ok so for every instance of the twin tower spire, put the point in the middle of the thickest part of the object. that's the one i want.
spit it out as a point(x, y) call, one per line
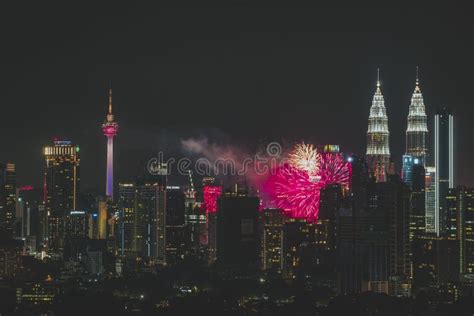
point(378, 147)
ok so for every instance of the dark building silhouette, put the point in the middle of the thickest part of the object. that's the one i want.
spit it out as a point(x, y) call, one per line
point(417, 203)
point(177, 233)
point(373, 243)
point(362, 251)
point(435, 261)
point(237, 234)
point(460, 225)
point(359, 183)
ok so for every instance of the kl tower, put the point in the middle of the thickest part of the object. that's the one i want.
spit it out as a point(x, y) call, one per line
point(110, 129)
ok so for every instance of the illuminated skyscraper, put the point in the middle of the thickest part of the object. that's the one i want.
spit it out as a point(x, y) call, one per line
point(272, 239)
point(444, 162)
point(431, 212)
point(150, 220)
point(7, 197)
point(299, 246)
point(407, 169)
point(126, 194)
point(467, 232)
point(61, 186)
point(110, 129)
point(417, 129)
point(378, 150)
point(142, 225)
point(460, 225)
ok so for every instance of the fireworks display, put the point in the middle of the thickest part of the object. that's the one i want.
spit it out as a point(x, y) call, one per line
point(293, 191)
point(211, 194)
point(305, 157)
point(296, 187)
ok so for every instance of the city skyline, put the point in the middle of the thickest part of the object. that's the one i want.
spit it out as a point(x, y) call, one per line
point(175, 96)
point(257, 158)
point(213, 142)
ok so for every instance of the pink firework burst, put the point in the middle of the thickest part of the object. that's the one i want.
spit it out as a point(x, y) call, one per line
point(334, 169)
point(293, 191)
point(298, 192)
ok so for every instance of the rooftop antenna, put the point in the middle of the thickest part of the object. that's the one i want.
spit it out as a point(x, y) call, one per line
point(378, 77)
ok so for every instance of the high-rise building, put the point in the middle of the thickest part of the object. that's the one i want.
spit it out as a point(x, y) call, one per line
point(61, 187)
point(363, 249)
point(7, 197)
point(176, 229)
point(299, 246)
point(399, 229)
point(417, 201)
point(378, 150)
point(394, 197)
point(444, 163)
point(27, 213)
point(407, 166)
point(409, 163)
point(272, 239)
point(431, 212)
point(149, 221)
point(10, 256)
point(77, 224)
point(142, 224)
point(102, 219)
point(211, 231)
point(359, 182)
point(126, 192)
point(326, 230)
point(417, 129)
point(435, 261)
point(43, 226)
point(211, 193)
point(76, 231)
point(454, 216)
point(110, 129)
point(467, 237)
point(460, 225)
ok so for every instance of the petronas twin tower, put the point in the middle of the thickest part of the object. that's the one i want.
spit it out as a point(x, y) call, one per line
point(378, 148)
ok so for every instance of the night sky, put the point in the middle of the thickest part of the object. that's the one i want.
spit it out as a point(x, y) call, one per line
point(236, 72)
